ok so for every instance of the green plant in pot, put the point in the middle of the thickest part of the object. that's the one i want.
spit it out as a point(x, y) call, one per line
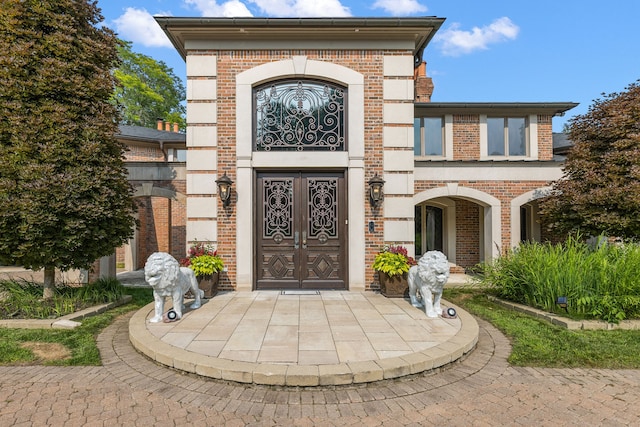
point(203, 259)
point(392, 264)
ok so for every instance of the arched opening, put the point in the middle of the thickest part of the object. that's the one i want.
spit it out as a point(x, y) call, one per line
point(467, 220)
point(525, 219)
point(162, 227)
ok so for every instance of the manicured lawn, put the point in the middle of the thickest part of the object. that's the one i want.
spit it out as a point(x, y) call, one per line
point(80, 342)
point(538, 343)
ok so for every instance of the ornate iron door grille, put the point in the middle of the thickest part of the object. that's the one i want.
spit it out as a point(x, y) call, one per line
point(299, 115)
point(301, 229)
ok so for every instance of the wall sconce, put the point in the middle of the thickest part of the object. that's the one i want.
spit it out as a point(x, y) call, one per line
point(224, 189)
point(375, 190)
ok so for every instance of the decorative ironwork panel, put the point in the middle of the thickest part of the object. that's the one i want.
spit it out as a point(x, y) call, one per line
point(300, 115)
point(277, 202)
point(323, 208)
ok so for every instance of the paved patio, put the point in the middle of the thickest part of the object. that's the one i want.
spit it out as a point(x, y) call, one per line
point(482, 390)
point(304, 338)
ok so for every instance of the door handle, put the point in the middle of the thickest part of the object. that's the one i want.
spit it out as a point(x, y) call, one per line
point(296, 240)
point(304, 240)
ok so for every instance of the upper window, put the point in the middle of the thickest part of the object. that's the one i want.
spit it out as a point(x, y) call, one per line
point(428, 136)
point(507, 136)
point(177, 155)
point(299, 115)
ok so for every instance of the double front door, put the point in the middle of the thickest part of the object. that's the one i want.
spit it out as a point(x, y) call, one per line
point(301, 230)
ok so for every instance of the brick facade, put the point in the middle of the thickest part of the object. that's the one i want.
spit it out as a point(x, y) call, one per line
point(481, 195)
point(545, 138)
point(144, 154)
point(466, 137)
point(229, 64)
point(162, 219)
point(468, 234)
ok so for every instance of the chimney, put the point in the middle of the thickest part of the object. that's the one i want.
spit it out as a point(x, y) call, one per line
point(421, 71)
point(159, 123)
point(176, 128)
point(423, 84)
point(167, 127)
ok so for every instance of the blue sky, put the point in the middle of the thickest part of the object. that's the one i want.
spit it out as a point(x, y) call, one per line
point(486, 51)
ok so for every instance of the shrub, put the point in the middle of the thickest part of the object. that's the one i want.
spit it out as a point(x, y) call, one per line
point(203, 259)
point(599, 282)
point(23, 299)
point(393, 260)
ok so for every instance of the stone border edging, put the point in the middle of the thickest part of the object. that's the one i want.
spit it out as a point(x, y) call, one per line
point(303, 375)
point(565, 322)
point(69, 321)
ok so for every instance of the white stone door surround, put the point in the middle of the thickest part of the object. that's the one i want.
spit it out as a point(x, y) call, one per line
point(352, 160)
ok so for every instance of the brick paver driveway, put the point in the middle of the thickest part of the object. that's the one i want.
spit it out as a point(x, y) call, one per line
point(482, 390)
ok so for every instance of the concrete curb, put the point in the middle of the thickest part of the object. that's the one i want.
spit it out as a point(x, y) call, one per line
point(70, 321)
point(308, 375)
point(566, 322)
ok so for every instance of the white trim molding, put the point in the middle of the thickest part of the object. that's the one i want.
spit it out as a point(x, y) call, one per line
point(492, 231)
point(516, 203)
point(247, 160)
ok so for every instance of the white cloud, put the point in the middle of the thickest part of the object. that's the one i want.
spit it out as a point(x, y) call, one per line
point(455, 42)
point(227, 9)
point(138, 26)
point(400, 7)
point(302, 8)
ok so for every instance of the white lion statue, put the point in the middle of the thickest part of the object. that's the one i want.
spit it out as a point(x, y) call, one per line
point(167, 278)
point(428, 278)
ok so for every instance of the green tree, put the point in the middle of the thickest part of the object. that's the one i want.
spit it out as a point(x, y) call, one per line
point(147, 90)
point(600, 190)
point(64, 196)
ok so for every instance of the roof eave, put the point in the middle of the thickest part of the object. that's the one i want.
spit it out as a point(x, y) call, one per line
point(178, 29)
point(555, 108)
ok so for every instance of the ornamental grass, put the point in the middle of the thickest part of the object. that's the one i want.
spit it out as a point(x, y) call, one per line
point(599, 281)
point(23, 299)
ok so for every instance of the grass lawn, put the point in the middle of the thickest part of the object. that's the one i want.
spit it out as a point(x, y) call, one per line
point(66, 347)
point(535, 343)
point(538, 343)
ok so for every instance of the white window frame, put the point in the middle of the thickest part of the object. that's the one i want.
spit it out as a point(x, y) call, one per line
point(173, 155)
point(447, 138)
point(531, 135)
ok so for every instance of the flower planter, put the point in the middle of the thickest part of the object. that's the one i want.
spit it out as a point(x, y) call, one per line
point(209, 284)
point(394, 286)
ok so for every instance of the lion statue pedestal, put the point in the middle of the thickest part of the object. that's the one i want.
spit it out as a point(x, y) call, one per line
point(164, 274)
point(428, 278)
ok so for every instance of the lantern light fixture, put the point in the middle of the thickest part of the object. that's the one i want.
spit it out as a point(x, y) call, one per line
point(375, 190)
point(224, 189)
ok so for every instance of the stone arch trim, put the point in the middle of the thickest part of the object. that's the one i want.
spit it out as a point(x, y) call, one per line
point(300, 66)
point(352, 160)
point(492, 212)
point(522, 199)
point(450, 233)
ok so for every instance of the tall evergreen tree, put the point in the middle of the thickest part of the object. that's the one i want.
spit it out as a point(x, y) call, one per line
point(64, 196)
point(600, 190)
point(147, 90)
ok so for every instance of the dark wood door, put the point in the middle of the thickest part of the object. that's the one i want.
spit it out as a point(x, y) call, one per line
point(301, 230)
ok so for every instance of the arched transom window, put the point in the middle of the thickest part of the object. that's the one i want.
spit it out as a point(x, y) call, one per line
point(299, 115)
